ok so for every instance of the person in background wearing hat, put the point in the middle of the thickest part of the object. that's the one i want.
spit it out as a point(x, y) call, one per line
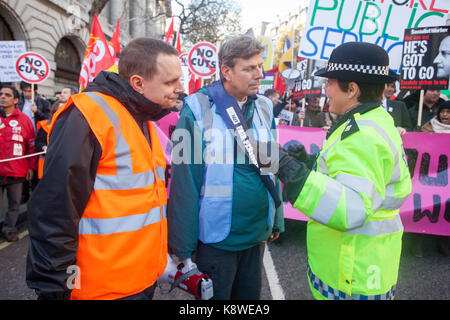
point(431, 102)
point(354, 188)
point(438, 124)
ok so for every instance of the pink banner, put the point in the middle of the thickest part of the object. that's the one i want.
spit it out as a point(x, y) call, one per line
point(427, 209)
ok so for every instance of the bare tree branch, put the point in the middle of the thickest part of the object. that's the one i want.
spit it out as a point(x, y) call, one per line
point(208, 20)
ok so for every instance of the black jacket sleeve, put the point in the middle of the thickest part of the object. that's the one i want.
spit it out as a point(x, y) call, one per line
point(58, 202)
point(41, 140)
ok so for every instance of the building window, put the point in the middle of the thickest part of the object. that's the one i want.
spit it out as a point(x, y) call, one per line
point(5, 31)
point(68, 63)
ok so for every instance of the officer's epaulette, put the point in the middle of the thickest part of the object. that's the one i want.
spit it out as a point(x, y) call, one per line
point(350, 128)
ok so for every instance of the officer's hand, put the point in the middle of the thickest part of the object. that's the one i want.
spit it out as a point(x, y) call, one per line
point(298, 151)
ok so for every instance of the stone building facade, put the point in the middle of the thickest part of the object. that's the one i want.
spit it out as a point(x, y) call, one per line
point(58, 29)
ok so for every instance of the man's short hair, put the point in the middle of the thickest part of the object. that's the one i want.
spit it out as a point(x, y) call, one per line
point(139, 57)
point(14, 90)
point(243, 47)
point(24, 85)
point(270, 92)
point(72, 90)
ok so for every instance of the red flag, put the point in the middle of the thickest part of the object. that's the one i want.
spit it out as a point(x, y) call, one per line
point(169, 34)
point(178, 42)
point(97, 57)
point(195, 83)
point(114, 44)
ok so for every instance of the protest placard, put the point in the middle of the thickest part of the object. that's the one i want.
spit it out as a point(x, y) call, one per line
point(202, 59)
point(32, 67)
point(426, 58)
point(308, 85)
point(9, 52)
point(267, 82)
point(382, 22)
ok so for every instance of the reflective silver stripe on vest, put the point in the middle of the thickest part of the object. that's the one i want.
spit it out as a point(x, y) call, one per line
point(265, 110)
point(125, 179)
point(328, 202)
point(160, 173)
point(122, 224)
point(121, 148)
point(216, 191)
point(378, 227)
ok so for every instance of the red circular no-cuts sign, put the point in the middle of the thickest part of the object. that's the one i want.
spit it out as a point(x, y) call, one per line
point(202, 59)
point(183, 59)
point(32, 67)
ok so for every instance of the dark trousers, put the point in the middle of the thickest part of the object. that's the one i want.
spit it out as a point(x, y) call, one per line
point(236, 275)
point(147, 294)
point(14, 194)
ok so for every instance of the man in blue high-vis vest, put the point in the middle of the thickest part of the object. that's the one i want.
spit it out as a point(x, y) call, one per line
point(220, 206)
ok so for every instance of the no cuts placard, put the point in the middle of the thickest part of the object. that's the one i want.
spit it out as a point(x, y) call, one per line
point(32, 67)
point(202, 59)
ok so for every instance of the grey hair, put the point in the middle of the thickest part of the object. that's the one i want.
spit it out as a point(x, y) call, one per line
point(243, 47)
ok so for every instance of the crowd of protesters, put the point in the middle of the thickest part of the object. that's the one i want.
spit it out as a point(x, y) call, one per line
point(33, 130)
point(25, 118)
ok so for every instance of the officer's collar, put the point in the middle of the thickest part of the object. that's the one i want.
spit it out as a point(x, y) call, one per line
point(361, 108)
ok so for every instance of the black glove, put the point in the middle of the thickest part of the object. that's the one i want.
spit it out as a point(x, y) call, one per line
point(293, 175)
point(298, 151)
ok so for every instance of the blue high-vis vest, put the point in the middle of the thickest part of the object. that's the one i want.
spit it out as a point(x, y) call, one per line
point(216, 195)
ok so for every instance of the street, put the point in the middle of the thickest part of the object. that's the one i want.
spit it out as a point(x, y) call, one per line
point(426, 278)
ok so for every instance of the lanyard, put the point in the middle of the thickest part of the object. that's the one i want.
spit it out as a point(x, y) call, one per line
point(234, 119)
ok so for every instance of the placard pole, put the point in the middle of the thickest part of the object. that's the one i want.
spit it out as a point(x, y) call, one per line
point(419, 116)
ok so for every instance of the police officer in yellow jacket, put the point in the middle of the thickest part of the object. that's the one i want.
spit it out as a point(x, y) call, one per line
point(352, 191)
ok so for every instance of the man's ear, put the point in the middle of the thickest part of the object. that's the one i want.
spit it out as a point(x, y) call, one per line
point(226, 72)
point(137, 83)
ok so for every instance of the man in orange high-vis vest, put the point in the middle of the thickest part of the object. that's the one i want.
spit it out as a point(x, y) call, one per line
point(97, 220)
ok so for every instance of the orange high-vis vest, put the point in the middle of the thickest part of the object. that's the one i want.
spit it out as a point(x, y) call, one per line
point(122, 243)
point(46, 127)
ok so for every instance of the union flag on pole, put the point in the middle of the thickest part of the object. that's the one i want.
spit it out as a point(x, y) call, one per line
point(97, 57)
point(169, 34)
point(114, 44)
